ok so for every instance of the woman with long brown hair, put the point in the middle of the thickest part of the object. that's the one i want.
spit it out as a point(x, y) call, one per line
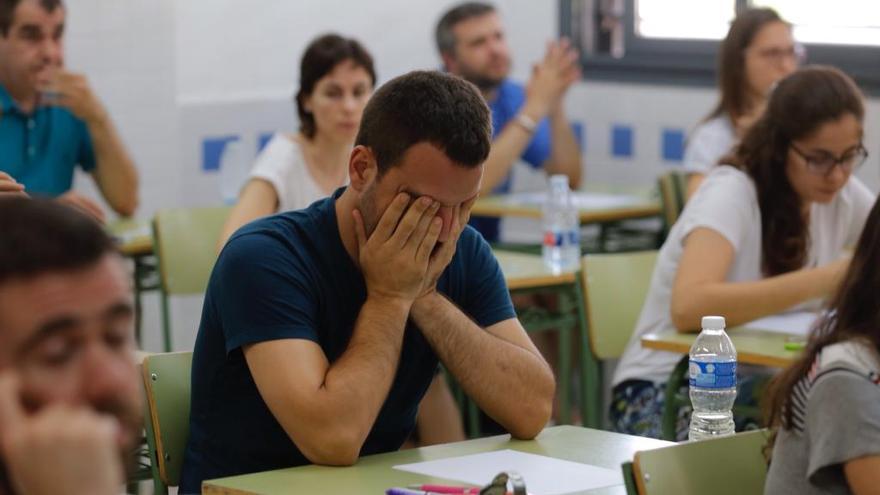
point(757, 52)
point(764, 234)
point(826, 406)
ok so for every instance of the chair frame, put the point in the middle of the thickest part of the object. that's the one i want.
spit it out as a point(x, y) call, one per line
point(160, 456)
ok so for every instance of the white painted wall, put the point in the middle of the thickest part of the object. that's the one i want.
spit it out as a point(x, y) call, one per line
point(172, 72)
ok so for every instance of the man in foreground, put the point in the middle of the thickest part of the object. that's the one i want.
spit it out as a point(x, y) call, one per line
point(322, 328)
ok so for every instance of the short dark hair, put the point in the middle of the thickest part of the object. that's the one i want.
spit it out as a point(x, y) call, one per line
point(427, 106)
point(321, 56)
point(39, 236)
point(7, 11)
point(461, 12)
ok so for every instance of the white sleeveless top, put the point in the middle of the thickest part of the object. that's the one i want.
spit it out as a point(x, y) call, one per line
point(282, 164)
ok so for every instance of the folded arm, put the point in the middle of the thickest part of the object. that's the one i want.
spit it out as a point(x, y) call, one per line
point(329, 409)
point(499, 367)
point(701, 288)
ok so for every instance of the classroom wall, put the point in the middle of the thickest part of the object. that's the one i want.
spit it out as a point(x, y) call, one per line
point(181, 78)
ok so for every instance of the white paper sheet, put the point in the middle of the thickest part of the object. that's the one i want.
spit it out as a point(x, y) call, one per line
point(130, 235)
point(543, 475)
point(796, 323)
point(581, 200)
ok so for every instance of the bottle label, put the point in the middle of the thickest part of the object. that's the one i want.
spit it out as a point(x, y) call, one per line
point(712, 375)
point(561, 238)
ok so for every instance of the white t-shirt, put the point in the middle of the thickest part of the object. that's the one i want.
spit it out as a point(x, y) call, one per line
point(708, 143)
point(282, 164)
point(727, 203)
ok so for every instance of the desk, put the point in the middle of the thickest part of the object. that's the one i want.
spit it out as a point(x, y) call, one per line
point(622, 205)
point(528, 271)
point(527, 274)
point(752, 346)
point(135, 238)
point(374, 474)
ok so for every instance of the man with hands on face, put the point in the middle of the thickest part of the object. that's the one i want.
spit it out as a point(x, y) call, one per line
point(50, 120)
point(529, 123)
point(322, 328)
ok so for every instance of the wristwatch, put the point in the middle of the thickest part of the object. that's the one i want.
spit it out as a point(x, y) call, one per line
point(526, 122)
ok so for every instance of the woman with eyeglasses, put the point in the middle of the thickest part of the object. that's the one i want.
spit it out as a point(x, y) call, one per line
point(758, 51)
point(765, 233)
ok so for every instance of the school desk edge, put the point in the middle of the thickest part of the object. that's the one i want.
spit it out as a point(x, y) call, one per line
point(375, 473)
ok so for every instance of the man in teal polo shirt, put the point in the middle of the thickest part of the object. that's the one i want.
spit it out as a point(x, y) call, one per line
point(50, 121)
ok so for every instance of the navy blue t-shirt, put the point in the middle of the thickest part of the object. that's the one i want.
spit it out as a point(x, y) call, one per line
point(289, 276)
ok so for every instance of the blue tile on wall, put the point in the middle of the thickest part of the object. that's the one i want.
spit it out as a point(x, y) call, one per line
point(673, 145)
point(212, 150)
point(263, 139)
point(580, 135)
point(622, 141)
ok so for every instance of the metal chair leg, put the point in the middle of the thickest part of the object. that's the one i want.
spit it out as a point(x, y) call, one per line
point(672, 402)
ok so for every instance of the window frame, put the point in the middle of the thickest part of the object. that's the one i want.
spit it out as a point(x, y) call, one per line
point(693, 62)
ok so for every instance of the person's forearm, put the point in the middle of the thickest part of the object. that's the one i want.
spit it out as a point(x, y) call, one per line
point(345, 397)
point(506, 150)
point(357, 384)
point(509, 146)
point(513, 385)
point(565, 156)
point(257, 199)
point(115, 171)
point(693, 183)
point(742, 302)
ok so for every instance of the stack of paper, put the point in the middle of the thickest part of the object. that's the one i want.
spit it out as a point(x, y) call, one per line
point(543, 475)
point(580, 200)
point(796, 323)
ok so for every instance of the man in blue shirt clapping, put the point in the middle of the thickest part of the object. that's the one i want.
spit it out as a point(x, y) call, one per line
point(528, 122)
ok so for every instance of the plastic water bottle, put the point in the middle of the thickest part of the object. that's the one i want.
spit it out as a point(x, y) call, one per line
point(233, 171)
point(712, 381)
point(561, 244)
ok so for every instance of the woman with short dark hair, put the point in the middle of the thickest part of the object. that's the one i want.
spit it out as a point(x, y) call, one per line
point(294, 170)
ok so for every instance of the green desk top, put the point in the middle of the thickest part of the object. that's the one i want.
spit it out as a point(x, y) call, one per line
point(134, 236)
point(625, 203)
point(752, 346)
point(527, 271)
point(374, 474)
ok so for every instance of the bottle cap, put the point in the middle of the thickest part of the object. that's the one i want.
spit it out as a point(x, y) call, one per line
point(559, 180)
point(713, 322)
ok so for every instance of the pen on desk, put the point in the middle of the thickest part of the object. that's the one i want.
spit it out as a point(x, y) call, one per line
point(445, 489)
point(406, 491)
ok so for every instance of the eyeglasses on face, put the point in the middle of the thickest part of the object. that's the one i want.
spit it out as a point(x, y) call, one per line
point(824, 163)
point(796, 52)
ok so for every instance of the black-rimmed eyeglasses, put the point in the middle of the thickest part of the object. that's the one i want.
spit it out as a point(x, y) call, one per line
point(824, 163)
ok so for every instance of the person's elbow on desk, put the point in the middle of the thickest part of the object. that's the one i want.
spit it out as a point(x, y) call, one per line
point(332, 447)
